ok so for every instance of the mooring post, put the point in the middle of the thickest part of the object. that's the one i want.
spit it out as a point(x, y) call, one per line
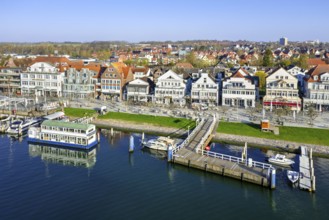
point(313, 183)
point(170, 153)
point(111, 132)
point(143, 136)
point(273, 176)
point(98, 135)
point(131, 144)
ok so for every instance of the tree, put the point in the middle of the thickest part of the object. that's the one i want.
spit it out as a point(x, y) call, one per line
point(268, 58)
point(285, 63)
point(303, 61)
point(279, 112)
point(312, 114)
point(191, 58)
point(262, 79)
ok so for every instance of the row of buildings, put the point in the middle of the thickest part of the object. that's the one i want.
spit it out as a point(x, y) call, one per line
point(61, 77)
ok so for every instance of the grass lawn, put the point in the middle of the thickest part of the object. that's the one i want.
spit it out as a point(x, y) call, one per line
point(78, 112)
point(295, 134)
point(155, 120)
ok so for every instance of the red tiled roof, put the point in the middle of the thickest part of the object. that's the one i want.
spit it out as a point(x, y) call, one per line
point(125, 71)
point(316, 71)
point(315, 61)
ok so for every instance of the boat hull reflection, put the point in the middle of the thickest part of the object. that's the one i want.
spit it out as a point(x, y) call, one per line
point(64, 156)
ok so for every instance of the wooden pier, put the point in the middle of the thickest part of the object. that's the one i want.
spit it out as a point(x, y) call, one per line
point(191, 153)
point(306, 170)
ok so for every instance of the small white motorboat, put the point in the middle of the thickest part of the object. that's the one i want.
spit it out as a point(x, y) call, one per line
point(280, 159)
point(293, 176)
point(160, 143)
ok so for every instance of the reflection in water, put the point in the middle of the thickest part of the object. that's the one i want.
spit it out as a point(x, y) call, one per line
point(159, 154)
point(131, 159)
point(114, 137)
point(71, 157)
point(171, 173)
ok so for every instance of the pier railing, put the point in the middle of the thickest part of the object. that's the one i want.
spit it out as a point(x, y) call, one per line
point(187, 140)
point(234, 159)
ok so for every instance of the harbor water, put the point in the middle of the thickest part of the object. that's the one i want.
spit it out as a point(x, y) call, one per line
point(42, 182)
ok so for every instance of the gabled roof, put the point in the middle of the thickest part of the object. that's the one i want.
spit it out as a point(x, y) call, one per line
point(125, 71)
point(55, 60)
point(169, 74)
point(140, 69)
point(240, 73)
point(205, 75)
point(141, 82)
point(119, 66)
point(317, 71)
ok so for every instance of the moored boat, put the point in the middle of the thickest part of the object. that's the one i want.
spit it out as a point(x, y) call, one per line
point(19, 127)
point(293, 176)
point(63, 133)
point(281, 160)
point(160, 143)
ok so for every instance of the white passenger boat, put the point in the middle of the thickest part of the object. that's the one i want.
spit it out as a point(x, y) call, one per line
point(293, 176)
point(280, 159)
point(160, 143)
point(67, 134)
point(19, 127)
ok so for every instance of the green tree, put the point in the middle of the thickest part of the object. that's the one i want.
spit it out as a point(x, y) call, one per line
point(303, 61)
point(191, 58)
point(285, 63)
point(268, 58)
point(262, 79)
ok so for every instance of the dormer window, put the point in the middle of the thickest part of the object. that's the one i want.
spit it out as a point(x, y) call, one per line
point(315, 77)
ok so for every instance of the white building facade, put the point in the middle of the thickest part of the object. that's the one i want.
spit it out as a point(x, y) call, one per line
point(240, 90)
point(170, 89)
point(138, 90)
point(205, 90)
point(299, 73)
point(79, 84)
point(282, 91)
point(316, 88)
point(42, 79)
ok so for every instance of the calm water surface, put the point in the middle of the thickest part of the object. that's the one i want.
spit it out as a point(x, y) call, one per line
point(115, 185)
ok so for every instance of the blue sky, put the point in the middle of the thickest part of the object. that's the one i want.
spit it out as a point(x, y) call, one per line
point(143, 20)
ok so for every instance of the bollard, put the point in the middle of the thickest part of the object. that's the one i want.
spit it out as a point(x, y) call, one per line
point(249, 162)
point(313, 183)
point(131, 144)
point(99, 135)
point(273, 176)
point(111, 132)
point(143, 136)
point(170, 153)
point(311, 153)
